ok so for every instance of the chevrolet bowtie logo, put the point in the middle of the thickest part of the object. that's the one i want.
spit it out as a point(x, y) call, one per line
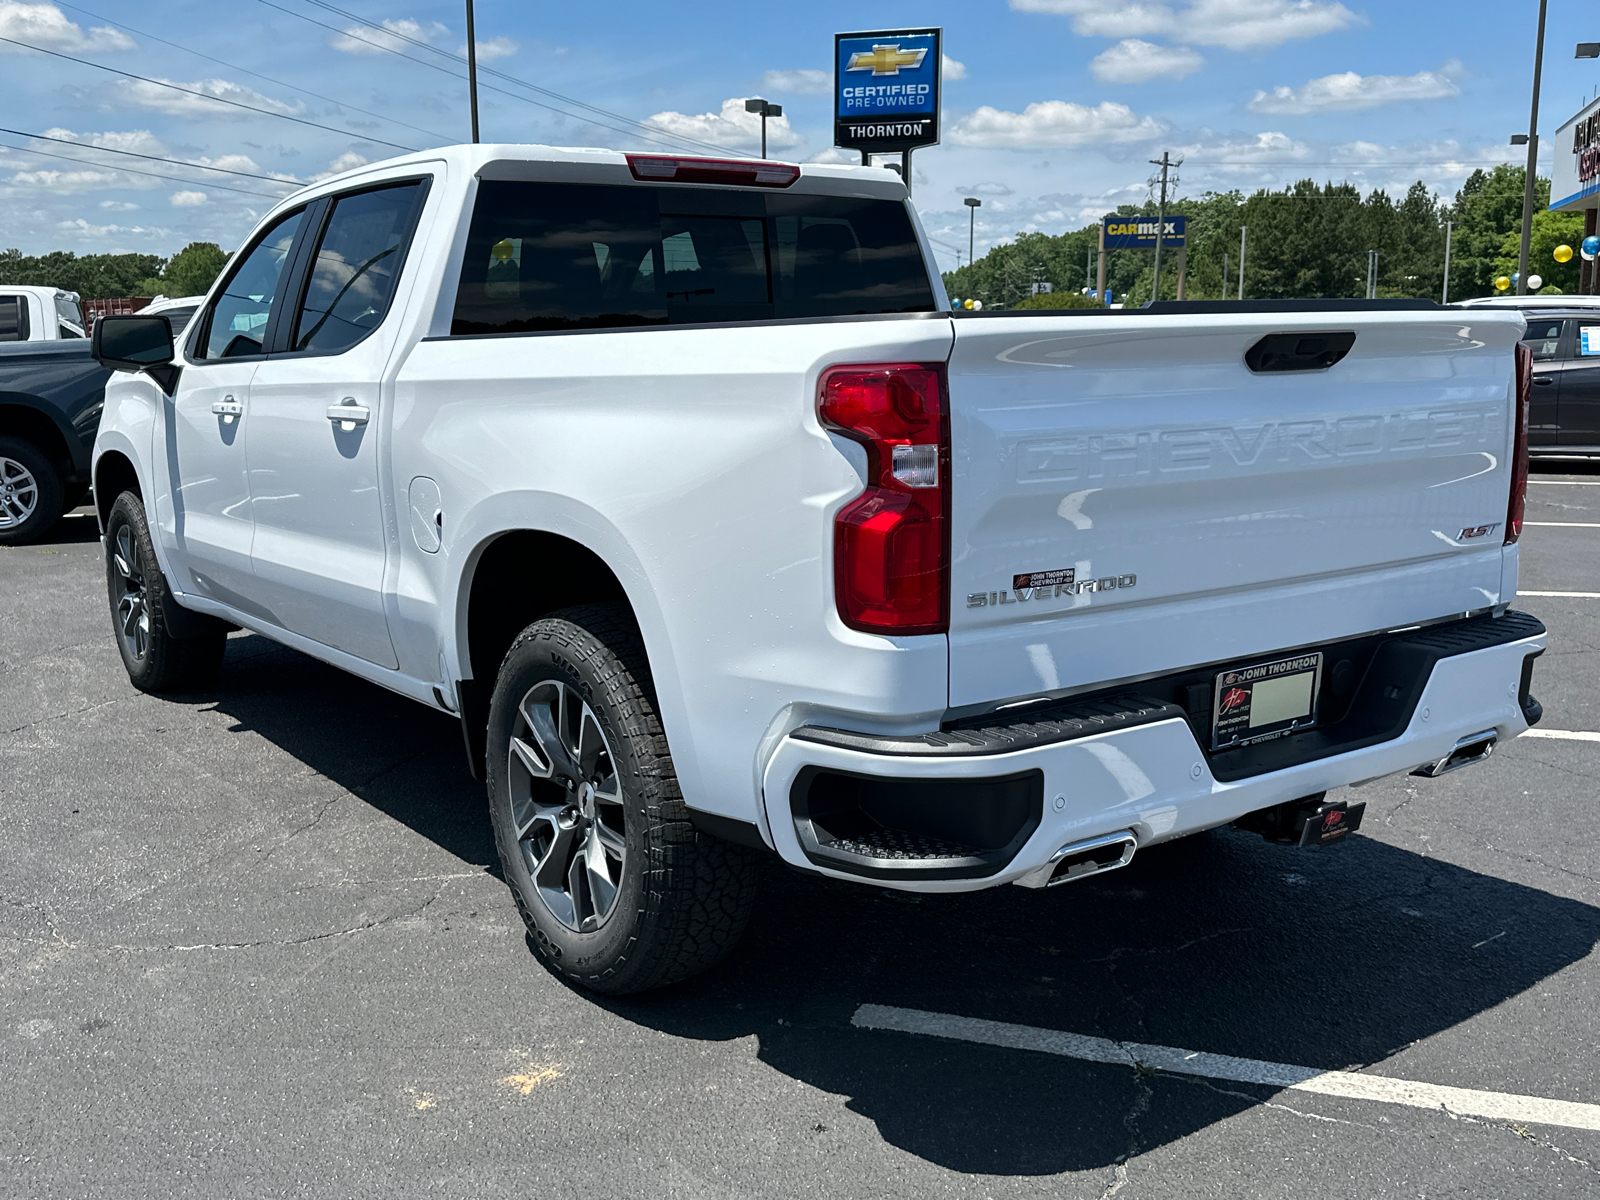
point(886, 60)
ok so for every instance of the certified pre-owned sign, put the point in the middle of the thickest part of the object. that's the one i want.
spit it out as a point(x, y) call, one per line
point(886, 90)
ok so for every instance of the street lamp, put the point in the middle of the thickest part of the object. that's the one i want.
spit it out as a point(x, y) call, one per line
point(766, 110)
point(1533, 155)
point(973, 205)
point(1587, 50)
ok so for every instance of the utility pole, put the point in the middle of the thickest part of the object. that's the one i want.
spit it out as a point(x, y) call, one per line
point(973, 205)
point(1243, 229)
point(1444, 297)
point(1165, 163)
point(472, 71)
point(1533, 157)
point(1224, 274)
point(1372, 274)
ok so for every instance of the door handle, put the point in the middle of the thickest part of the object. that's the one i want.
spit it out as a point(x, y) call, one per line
point(1543, 380)
point(347, 414)
point(228, 409)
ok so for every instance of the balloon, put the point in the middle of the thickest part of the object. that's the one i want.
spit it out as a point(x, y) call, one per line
point(1562, 254)
point(966, 304)
point(1590, 247)
point(1501, 284)
point(1535, 283)
point(975, 305)
point(1515, 275)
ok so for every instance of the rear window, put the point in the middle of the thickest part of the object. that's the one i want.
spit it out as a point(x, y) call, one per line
point(13, 318)
point(554, 256)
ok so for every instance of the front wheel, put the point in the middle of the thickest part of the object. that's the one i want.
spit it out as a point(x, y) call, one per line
point(141, 604)
point(620, 892)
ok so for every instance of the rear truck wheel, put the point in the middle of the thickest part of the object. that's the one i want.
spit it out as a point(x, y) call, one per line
point(620, 892)
point(30, 492)
point(144, 614)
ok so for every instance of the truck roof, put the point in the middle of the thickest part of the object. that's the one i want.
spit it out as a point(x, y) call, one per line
point(477, 159)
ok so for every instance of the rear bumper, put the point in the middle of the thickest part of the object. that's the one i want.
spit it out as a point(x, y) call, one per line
point(1033, 787)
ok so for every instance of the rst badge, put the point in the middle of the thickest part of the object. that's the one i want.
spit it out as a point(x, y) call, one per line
point(1477, 531)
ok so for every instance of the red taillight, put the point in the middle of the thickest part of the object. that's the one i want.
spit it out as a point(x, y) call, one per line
point(744, 172)
point(1519, 447)
point(891, 561)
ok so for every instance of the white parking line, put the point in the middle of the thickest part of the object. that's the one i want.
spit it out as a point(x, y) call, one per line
point(1566, 482)
point(1567, 595)
point(1565, 524)
point(1571, 735)
point(1495, 1106)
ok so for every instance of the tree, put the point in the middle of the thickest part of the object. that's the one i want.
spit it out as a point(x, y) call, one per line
point(193, 269)
point(1550, 229)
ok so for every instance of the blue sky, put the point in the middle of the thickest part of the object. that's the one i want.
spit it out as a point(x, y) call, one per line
point(1052, 107)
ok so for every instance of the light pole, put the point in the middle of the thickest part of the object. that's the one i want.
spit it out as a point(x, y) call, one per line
point(472, 72)
point(766, 110)
point(973, 205)
point(1533, 155)
point(1444, 297)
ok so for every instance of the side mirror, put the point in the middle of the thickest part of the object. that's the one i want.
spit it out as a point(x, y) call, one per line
point(136, 343)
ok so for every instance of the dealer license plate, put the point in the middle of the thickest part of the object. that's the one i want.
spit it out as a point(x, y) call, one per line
point(1266, 700)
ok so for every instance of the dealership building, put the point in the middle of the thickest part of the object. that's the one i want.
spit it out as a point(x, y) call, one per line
point(1575, 179)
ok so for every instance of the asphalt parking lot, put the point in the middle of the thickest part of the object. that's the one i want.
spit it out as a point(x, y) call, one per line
point(252, 943)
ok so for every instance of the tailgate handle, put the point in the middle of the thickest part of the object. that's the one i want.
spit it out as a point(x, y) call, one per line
point(1308, 351)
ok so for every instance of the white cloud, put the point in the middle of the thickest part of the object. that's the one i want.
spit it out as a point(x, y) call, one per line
point(731, 127)
point(803, 82)
point(1348, 91)
point(118, 206)
point(1105, 18)
point(1259, 24)
point(1133, 61)
point(139, 141)
point(347, 161)
point(985, 189)
point(1236, 24)
point(65, 181)
point(1054, 123)
point(488, 51)
point(367, 39)
point(188, 199)
point(954, 69)
point(45, 26)
point(183, 104)
point(84, 229)
point(833, 156)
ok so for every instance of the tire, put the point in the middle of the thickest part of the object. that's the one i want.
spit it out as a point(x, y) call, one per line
point(620, 892)
point(30, 492)
point(142, 609)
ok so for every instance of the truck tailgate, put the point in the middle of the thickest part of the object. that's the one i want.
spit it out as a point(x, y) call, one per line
point(1130, 498)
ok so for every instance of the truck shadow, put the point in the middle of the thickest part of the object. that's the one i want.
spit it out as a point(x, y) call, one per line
point(1219, 943)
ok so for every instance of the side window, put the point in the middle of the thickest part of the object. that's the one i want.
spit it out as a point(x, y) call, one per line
point(1588, 340)
point(13, 318)
point(236, 323)
point(356, 267)
point(70, 315)
point(1543, 337)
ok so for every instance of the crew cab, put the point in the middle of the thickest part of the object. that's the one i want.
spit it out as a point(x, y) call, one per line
point(30, 313)
point(678, 482)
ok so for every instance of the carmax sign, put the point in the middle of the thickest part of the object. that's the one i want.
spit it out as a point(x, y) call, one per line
point(1139, 233)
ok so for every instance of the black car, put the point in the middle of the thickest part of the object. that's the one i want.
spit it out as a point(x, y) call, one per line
point(51, 394)
point(1565, 412)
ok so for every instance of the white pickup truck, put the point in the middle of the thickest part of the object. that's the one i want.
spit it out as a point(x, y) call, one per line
point(678, 482)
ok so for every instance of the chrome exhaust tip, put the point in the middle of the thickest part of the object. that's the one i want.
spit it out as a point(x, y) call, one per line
point(1473, 748)
point(1077, 860)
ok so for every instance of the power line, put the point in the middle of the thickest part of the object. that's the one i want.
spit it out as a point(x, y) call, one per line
point(1295, 162)
point(45, 137)
point(256, 74)
point(649, 133)
point(267, 112)
point(221, 187)
point(483, 70)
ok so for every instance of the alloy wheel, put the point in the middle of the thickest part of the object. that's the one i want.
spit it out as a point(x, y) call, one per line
point(566, 805)
point(19, 493)
point(133, 602)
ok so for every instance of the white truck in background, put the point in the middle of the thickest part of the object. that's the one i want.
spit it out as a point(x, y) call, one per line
point(678, 482)
point(39, 314)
